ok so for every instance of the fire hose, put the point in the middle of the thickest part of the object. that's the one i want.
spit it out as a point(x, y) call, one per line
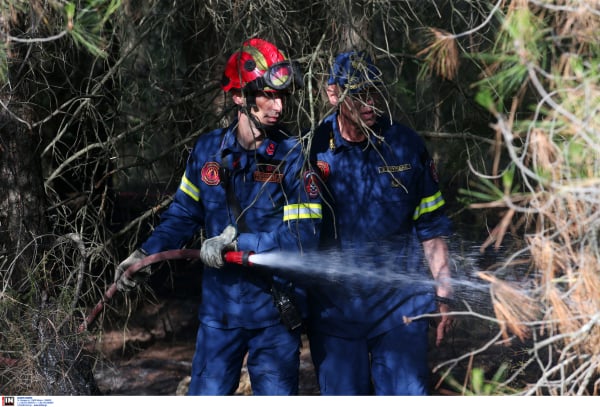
point(239, 257)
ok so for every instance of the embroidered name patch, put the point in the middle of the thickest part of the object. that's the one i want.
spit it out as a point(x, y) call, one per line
point(268, 173)
point(394, 168)
point(260, 176)
point(210, 173)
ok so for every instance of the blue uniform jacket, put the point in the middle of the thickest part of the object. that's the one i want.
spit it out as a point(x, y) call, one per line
point(386, 200)
point(282, 212)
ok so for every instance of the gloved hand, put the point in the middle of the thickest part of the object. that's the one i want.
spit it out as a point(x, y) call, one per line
point(211, 252)
point(125, 283)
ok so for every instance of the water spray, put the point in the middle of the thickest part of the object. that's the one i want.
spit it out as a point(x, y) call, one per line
point(324, 267)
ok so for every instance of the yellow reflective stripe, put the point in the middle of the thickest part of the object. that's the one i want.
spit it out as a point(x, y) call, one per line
point(429, 204)
point(259, 58)
point(189, 189)
point(302, 211)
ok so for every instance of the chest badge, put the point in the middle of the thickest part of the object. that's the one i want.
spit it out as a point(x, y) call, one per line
point(270, 150)
point(324, 170)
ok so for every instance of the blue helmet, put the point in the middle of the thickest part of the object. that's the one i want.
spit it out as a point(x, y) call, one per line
point(355, 71)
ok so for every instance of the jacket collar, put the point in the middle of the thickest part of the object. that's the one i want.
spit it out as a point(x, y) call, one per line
point(230, 145)
point(337, 143)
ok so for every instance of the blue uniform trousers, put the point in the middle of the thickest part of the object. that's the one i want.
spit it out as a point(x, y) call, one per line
point(393, 363)
point(273, 360)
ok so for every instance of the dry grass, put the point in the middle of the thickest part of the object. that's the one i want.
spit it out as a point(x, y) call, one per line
point(513, 307)
point(556, 150)
point(441, 55)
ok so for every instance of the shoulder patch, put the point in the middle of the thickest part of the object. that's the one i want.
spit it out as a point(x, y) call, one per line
point(311, 184)
point(210, 173)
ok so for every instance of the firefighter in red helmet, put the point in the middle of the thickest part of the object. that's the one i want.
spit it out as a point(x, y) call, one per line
point(260, 65)
point(246, 187)
point(259, 68)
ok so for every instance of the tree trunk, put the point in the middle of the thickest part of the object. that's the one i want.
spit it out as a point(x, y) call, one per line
point(22, 200)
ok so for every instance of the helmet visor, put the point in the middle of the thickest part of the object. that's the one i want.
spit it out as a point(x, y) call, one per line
point(279, 76)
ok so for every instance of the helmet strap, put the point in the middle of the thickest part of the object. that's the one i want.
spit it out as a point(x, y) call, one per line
point(247, 110)
point(257, 124)
point(250, 98)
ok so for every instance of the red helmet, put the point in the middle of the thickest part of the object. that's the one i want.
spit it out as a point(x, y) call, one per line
point(260, 65)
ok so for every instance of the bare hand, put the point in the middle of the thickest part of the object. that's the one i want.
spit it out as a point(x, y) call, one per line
point(445, 323)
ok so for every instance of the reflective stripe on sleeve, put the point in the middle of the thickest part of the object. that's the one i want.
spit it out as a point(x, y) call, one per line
point(302, 211)
point(429, 204)
point(189, 189)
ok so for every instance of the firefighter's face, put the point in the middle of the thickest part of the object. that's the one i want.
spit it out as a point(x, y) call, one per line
point(359, 108)
point(269, 107)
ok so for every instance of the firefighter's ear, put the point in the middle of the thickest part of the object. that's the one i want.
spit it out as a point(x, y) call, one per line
point(238, 98)
point(333, 94)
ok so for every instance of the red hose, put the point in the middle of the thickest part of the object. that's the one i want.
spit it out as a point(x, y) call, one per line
point(146, 261)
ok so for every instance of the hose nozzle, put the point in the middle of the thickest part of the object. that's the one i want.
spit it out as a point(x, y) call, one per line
point(240, 257)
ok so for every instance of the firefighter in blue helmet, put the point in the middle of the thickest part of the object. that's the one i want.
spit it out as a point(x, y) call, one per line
point(245, 185)
point(387, 218)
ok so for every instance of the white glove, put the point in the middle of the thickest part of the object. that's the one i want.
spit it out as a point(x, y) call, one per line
point(126, 283)
point(211, 252)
